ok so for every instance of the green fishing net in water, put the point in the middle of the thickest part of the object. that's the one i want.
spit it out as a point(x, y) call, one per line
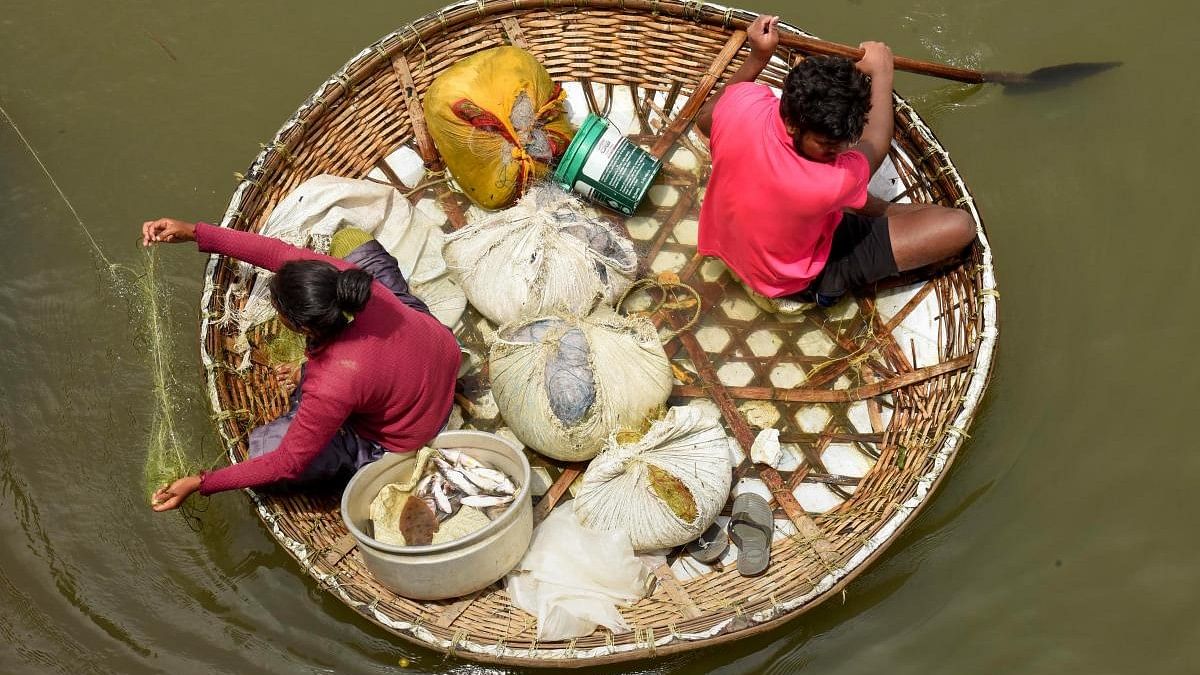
point(167, 456)
point(167, 453)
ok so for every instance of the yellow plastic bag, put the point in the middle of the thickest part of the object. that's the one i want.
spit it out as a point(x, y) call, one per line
point(498, 121)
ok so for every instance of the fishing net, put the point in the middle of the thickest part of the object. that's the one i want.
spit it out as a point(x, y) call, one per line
point(167, 456)
point(167, 452)
point(497, 119)
point(549, 253)
point(287, 347)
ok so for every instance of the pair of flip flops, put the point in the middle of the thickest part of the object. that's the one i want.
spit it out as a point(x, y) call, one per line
point(751, 528)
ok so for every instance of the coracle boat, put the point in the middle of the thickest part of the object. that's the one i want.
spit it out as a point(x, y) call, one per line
point(873, 398)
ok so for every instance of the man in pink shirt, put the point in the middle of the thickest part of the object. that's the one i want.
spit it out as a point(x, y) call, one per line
point(787, 207)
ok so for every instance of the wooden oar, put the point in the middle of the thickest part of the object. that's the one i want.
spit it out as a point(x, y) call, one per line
point(1042, 78)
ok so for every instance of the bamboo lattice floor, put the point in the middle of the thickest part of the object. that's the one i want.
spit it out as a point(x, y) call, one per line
point(872, 398)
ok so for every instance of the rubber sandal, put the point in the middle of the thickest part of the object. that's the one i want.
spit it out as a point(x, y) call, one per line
point(710, 546)
point(751, 529)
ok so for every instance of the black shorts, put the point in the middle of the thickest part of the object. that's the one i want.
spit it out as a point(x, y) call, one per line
point(861, 254)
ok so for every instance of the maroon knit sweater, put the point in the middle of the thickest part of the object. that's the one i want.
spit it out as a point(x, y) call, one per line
point(390, 373)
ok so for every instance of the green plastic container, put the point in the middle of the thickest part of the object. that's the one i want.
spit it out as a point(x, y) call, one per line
point(604, 166)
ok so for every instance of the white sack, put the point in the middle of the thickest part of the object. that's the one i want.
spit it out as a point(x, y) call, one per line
point(618, 493)
point(549, 253)
point(563, 384)
point(320, 206)
point(572, 578)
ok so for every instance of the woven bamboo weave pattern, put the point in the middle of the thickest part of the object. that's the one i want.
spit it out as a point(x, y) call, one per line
point(869, 413)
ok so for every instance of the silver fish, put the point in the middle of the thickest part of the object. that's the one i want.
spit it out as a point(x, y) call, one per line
point(462, 459)
point(484, 501)
point(455, 477)
point(422, 488)
point(490, 480)
point(440, 496)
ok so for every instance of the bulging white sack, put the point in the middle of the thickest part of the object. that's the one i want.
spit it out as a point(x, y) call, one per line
point(549, 253)
point(664, 489)
point(563, 383)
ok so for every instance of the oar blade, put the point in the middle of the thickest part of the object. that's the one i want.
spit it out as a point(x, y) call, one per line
point(1048, 77)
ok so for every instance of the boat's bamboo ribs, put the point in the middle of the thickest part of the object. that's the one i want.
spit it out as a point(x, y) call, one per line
point(641, 109)
point(339, 549)
point(812, 455)
point(908, 308)
point(885, 339)
point(416, 117)
point(512, 29)
point(557, 490)
point(854, 354)
point(590, 95)
point(745, 438)
point(699, 95)
point(833, 479)
point(834, 436)
point(669, 103)
point(679, 595)
point(667, 228)
point(392, 179)
point(451, 612)
point(806, 395)
point(874, 411)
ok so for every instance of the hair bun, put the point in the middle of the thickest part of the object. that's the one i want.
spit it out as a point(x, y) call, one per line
point(353, 290)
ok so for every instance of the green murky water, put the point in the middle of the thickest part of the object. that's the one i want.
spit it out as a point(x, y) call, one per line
point(1062, 542)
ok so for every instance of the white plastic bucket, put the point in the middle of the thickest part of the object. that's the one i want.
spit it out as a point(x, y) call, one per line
point(453, 568)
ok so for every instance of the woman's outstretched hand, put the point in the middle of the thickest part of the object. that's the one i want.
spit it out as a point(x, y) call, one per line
point(173, 495)
point(168, 231)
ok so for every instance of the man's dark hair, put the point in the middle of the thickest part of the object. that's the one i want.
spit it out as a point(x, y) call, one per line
point(827, 95)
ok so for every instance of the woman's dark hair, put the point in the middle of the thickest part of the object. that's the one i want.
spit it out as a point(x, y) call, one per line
point(316, 296)
point(826, 95)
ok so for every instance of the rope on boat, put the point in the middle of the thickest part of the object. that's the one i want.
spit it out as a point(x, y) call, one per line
point(957, 431)
point(226, 415)
point(667, 286)
point(459, 636)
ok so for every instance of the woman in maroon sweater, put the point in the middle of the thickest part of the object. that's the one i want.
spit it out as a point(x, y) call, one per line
point(379, 376)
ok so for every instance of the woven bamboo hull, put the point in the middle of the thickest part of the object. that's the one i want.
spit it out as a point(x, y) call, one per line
point(873, 398)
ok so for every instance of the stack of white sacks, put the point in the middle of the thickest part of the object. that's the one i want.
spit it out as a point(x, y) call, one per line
point(571, 375)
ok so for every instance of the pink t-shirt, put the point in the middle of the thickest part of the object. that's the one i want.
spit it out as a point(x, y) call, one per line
point(768, 212)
